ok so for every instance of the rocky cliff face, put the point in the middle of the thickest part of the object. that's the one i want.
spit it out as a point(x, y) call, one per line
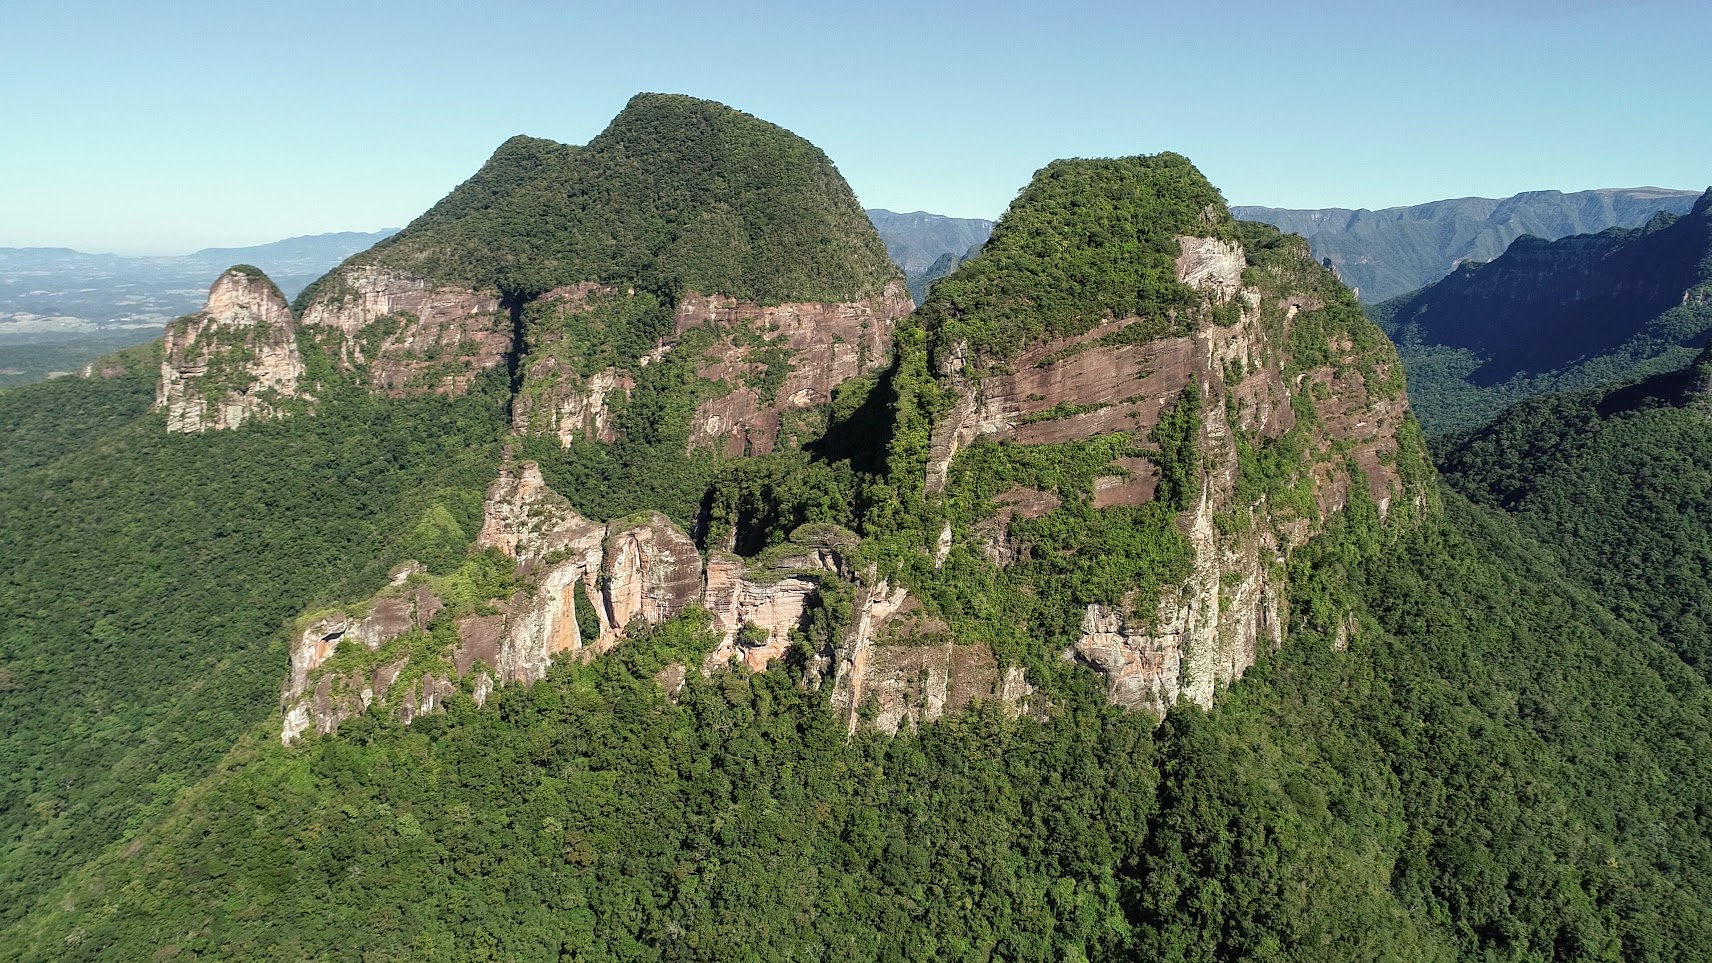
point(818, 345)
point(404, 335)
point(237, 359)
point(590, 585)
point(317, 696)
point(1339, 414)
point(769, 368)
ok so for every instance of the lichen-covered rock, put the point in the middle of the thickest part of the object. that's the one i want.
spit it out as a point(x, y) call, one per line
point(235, 360)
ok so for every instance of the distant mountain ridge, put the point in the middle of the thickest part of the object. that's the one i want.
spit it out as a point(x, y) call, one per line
point(1552, 316)
point(310, 254)
point(1386, 253)
point(928, 246)
point(84, 292)
point(61, 308)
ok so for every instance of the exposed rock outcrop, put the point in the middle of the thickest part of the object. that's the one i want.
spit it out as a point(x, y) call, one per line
point(556, 395)
point(899, 665)
point(1203, 634)
point(641, 569)
point(406, 336)
point(591, 584)
point(235, 360)
point(820, 345)
point(320, 700)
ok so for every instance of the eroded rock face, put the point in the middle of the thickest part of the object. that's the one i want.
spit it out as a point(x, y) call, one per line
point(757, 605)
point(651, 572)
point(641, 569)
point(898, 666)
point(822, 344)
point(1202, 635)
point(555, 397)
point(572, 408)
point(320, 701)
point(888, 665)
point(406, 336)
point(1212, 265)
point(237, 359)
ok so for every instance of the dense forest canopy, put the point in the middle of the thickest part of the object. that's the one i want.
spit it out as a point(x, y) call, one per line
point(1086, 241)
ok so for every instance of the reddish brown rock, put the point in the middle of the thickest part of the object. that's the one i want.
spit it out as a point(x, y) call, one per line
point(898, 666)
point(1201, 635)
point(651, 572)
point(825, 344)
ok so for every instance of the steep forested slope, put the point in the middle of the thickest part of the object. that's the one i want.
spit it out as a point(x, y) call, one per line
point(1619, 483)
point(146, 577)
point(677, 194)
point(1466, 777)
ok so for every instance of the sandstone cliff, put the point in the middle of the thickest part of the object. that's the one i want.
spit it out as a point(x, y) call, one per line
point(782, 359)
point(1297, 408)
point(402, 334)
point(590, 585)
point(237, 359)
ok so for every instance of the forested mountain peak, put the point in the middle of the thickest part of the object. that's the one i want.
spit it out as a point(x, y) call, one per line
point(1104, 609)
point(1086, 241)
point(676, 195)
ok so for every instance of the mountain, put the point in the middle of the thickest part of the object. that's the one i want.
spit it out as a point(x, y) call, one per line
point(928, 246)
point(557, 580)
point(1383, 254)
point(1557, 316)
point(97, 291)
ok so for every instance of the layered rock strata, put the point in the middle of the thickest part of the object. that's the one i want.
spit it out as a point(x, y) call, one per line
point(1203, 634)
point(821, 345)
point(235, 360)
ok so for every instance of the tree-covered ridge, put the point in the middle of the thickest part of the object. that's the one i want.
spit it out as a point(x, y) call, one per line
point(676, 195)
point(1388, 253)
point(148, 575)
point(1087, 241)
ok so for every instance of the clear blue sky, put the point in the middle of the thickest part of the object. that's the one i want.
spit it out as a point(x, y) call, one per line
point(160, 128)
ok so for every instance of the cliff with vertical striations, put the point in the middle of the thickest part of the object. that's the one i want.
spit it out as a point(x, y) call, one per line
point(235, 360)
